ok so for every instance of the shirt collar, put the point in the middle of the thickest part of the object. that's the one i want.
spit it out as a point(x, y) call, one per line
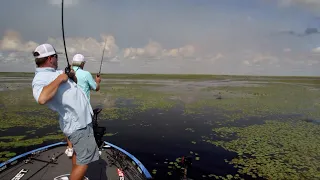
point(75, 68)
point(45, 69)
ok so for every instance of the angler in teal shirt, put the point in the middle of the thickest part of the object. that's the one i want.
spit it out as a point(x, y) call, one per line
point(85, 79)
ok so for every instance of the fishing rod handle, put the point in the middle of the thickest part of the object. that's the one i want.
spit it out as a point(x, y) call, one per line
point(67, 70)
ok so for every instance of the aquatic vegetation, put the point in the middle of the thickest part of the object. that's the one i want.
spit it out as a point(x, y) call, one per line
point(116, 113)
point(137, 98)
point(31, 132)
point(261, 101)
point(237, 102)
point(20, 109)
point(110, 134)
point(5, 155)
point(12, 138)
point(274, 150)
point(20, 142)
point(154, 171)
point(190, 129)
point(16, 119)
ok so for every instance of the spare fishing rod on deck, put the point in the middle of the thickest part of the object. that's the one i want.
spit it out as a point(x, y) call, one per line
point(105, 43)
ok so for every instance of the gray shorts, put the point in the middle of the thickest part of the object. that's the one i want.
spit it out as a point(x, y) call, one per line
point(84, 145)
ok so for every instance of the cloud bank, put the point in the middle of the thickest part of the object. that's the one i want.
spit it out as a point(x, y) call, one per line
point(184, 59)
point(92, 48)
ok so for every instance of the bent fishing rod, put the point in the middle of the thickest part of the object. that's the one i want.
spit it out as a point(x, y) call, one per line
point(68, 68)
point(105, 43)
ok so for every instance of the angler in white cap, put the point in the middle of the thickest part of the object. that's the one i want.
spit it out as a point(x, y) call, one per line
point(54, 88)
point(85, 79)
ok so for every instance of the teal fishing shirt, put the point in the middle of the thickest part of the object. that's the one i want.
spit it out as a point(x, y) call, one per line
point(85, 80)
point(71, 103)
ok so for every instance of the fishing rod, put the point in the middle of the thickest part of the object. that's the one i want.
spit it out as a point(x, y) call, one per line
point(105, 43)
point(68, 68)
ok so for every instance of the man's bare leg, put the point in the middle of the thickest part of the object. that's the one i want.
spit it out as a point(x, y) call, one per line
point(74, 160)
point(78, 171)
point(69, 143)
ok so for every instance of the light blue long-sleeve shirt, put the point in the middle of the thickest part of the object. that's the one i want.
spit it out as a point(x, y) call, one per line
point(85, 80)
point(71, 103)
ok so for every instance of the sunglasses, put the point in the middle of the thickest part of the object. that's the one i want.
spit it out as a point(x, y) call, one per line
point(55, 55)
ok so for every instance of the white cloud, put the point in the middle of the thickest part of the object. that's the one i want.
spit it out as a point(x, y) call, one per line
point(246, 62)
point(316, 50)
point(89, 47)
point(155, 50)
point(265, 58)
point(111, 49)
point(258, 59)
point(216, 57)
point(12, 41)
point(92, 48)
point(16, 57)
point(312, 62)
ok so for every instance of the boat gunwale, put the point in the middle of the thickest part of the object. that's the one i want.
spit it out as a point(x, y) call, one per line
point(140, 165)
point(30, 152)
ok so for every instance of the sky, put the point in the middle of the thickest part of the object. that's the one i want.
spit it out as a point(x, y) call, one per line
point(247, 37)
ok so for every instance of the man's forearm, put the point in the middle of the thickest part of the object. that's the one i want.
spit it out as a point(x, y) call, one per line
point(49, 91)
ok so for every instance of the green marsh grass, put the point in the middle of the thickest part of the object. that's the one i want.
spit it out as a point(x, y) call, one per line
point(274, 150)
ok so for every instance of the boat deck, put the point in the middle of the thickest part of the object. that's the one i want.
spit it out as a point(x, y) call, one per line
point(51, 163)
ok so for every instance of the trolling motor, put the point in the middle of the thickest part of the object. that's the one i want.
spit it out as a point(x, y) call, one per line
point(99, 131)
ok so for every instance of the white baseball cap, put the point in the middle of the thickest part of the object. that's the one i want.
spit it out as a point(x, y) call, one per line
point(44, 50)
point(78, 58)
